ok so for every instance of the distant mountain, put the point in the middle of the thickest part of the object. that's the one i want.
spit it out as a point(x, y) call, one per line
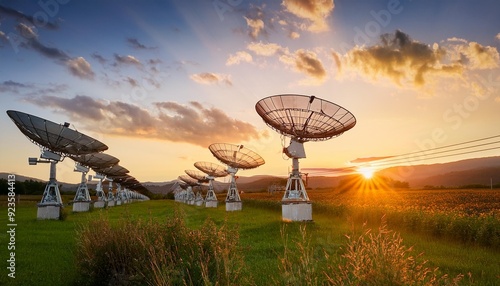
point(453, 174)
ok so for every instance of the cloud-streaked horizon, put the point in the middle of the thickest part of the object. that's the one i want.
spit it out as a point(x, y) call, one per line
point(192, 123)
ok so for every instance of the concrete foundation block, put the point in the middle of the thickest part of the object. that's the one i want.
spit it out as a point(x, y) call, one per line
point(211, 204)
point(81, 206)
point(296, 211)
point(233, 206)
point(48, 212)
point(99, 204)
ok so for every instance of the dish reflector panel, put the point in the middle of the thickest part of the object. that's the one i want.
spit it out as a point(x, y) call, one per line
point(236, 156)
point(96, 160)
point(188, 180)
point(305, 118)
point(214, 170)
point(56, 137)
point(197, 175)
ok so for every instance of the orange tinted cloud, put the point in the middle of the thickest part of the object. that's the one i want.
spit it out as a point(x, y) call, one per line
point(192, 123)
point(316, 11)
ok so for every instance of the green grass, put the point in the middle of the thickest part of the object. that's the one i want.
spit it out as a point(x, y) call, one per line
point(45, 250)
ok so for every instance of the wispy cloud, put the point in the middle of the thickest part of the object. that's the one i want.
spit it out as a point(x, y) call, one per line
point(239, 57)
point(211, 78)
point(127, 60)
point(315, 11)
point(174, 122)
point(21, 16)
point(256, 26)
point(134, 43)
point(263, 49)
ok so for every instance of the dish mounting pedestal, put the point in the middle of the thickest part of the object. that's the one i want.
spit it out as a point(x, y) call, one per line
point(233, 199)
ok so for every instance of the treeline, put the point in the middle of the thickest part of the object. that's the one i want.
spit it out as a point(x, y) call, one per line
point(28, 187)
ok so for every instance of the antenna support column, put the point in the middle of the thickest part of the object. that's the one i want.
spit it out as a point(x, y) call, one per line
point(51, 203)
point(233, 200)
point(81, 202)
point(211, 198)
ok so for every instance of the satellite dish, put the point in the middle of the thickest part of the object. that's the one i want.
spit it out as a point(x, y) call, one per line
point(110, 173)
point(213, 171)
point(83, 163)
point(58, 138)
point(201, 178)
point(236, 157)
point(189, 197)
point(56, 141)
point(302, 118)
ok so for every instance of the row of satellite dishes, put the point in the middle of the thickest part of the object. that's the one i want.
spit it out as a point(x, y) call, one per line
point(57, 141)
point(235, 157)
point(301, 118)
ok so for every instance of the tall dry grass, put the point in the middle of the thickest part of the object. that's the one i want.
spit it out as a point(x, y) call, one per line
point(369, 258)
point(136, 252)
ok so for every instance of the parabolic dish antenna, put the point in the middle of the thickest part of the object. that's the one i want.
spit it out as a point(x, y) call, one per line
point(113, 171)
point(56, 141)
point(197, 175)
point(302, 118)
point(213, 171)
point(305, 118)
point(96, 160)
point(189, 196)
point(83, 163)
point(58, 138)
point(236, 157)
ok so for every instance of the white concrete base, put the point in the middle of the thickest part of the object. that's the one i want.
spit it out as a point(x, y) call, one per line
point(233, 206)
point(48, 212)
point(190, 202)
point(211, 204)
point(81, 206)
point(296, 211)
point(99, 204)
point(199, 203)
point(119, 202)
point(111, 203)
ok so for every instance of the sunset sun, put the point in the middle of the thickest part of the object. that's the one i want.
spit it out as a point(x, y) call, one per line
point(367, 172)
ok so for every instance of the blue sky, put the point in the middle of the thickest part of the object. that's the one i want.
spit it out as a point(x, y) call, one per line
point(158, 81)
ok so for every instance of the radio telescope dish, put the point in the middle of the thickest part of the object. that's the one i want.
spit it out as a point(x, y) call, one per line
point(55, 141)
point(302, 118)
point(83, 163)
point(201, 178)
point(236, 157)
point(57, 138)
point(197, 175)
point(113, 171)
point(189, 196)
point(95, 160)
point(213, 171)
point(305, 118)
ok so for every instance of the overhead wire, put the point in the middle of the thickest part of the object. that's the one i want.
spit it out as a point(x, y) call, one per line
point(416, 156)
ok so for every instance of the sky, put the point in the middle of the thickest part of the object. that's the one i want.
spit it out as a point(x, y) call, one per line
point(159, 81)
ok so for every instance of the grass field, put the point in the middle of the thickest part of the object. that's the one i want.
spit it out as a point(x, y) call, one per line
point(46, 250)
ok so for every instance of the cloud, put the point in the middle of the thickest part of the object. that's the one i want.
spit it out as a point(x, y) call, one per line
point(99, 58)
point(262, 49)
point(80, 67)
point(400, 59)
point(369, 159)
point(192, 123)
point(306, 62)
point(211, 78)
point(134, 43)
point(127, 60)
point(21, 16)
point(77, 66)
point(480, 57)
point(294, 35)
point(337, 58)
point(239, 57)
point(497, 36)
point(3, 37)
point(13, 86)
point(256, 26)
point(315, 11)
